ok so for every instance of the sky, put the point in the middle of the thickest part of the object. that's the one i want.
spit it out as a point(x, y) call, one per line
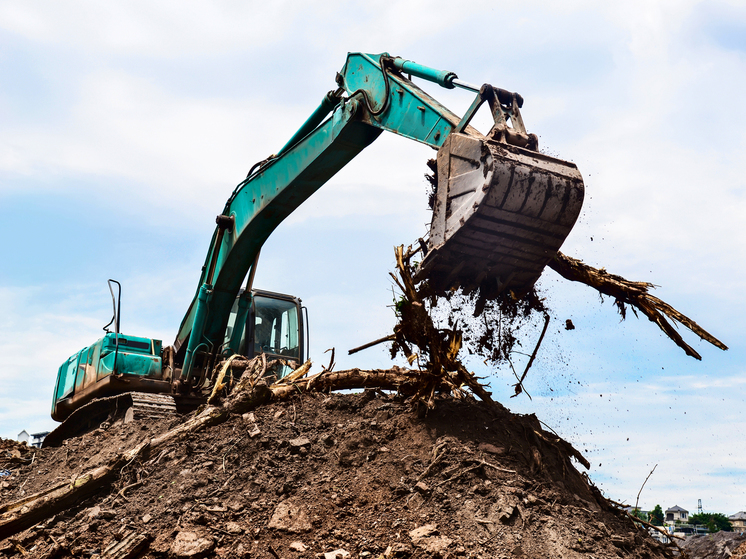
point(124, 127)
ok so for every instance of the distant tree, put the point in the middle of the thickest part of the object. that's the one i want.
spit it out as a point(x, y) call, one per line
point(715, 522)
point(642, 515)
point(656, 516)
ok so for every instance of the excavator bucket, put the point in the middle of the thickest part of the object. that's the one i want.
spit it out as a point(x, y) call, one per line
point(501, 214)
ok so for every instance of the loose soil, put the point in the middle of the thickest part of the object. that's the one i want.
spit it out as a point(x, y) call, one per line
point(722, 545)
point(350, 475)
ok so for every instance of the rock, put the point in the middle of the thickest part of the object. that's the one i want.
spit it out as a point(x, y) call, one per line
point(621, 541)
point(423, 531)
point(518, 551)
point(290, 517)
point(424, 538)
point(147, 518)
point(192, 545)
point(255, 432)
point(399, 550)
point(336, 554)
point(490, 448)
point(98, 513)
point(299, 444)
point(422, 488)
point(435, 544)
point(415, 501)
point(382, 416)
point(298, 546)
point(507, 513)
point(234, 528)
point(215, 508)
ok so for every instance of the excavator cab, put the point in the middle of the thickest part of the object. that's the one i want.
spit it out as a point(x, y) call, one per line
point(272, 323)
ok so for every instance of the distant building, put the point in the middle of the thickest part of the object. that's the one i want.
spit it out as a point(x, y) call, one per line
point(38, 438)
point(656, 535)
point(738, 521)
point(676, 514)
point(34, 439)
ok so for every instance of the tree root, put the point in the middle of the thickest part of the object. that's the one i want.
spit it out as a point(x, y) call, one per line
point(439, 347)
point(636, 294)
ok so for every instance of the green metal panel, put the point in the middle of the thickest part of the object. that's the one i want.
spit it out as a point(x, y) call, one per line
point(132, 364)
point(409, 111)
point(136, 356)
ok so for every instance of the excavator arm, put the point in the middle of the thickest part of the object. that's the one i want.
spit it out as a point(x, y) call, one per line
point(502, 208)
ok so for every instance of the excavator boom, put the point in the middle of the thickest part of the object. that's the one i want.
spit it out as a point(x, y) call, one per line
point(502, 208)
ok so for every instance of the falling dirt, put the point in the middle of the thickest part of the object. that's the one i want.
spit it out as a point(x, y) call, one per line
point(358, 475)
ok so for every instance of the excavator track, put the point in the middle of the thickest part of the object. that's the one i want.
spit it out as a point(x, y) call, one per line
point(150, 406)
point(127, 407)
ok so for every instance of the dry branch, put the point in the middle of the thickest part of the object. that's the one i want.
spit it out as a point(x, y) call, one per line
point(389, 338)
point(637, 501)
point(636, 294)
point(519, 385)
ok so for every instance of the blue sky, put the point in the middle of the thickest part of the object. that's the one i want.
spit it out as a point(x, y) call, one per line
point(125, 126)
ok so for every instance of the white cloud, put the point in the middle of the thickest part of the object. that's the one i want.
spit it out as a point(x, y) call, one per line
point(645, 97)
point(147, 29)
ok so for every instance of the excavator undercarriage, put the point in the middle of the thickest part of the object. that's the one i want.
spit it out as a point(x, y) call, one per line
point(104, 412)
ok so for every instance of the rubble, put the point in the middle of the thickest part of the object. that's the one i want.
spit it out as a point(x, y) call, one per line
point(721, 545)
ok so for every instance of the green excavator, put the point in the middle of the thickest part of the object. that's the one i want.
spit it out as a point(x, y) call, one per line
point(501, 211)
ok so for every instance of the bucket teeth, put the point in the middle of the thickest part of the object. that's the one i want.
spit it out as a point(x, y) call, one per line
point(501, 213)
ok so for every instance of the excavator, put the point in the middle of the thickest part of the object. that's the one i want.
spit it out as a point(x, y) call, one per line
point(501, 211)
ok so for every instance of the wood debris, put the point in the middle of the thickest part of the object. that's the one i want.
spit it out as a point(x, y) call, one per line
point(637, 295)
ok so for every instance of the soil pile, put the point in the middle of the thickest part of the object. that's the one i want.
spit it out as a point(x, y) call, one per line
point(721, 545)
point(354, 475)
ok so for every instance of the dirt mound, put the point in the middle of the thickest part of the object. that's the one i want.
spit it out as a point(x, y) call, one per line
point(323, 476)
point(722, 545)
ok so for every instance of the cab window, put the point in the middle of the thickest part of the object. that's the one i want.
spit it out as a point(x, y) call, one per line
point(276, 327)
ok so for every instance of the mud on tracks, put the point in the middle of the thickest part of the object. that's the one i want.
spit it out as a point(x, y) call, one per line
point(326, 475)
